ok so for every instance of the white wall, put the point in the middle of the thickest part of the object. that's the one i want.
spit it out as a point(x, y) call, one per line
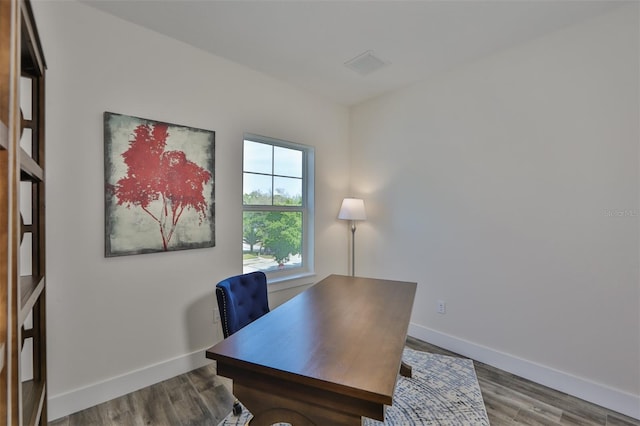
point(509, 189)
point(121, 323)
point(505, 204)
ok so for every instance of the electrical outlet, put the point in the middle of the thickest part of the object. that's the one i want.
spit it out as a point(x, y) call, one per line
point(442, 307)
point(216, 316)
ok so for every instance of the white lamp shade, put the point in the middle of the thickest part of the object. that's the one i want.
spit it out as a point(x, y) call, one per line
point(352, 209)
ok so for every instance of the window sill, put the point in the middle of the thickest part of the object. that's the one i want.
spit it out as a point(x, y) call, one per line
point(290, 281)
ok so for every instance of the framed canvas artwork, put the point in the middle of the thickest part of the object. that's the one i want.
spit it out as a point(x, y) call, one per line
point(159, 186)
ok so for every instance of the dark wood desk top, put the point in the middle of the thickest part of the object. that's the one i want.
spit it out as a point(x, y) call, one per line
point(344, 335)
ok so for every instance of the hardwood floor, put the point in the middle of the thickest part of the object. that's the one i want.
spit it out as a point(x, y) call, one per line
point(202, 398)
point(195, 398)
point(512, 400)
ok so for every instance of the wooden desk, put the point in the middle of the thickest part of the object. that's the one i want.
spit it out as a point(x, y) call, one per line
point(328, 356)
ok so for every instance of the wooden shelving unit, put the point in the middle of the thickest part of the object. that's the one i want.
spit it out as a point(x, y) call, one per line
point(23, 388)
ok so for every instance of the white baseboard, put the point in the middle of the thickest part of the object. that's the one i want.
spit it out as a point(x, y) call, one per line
point(602, 395)
point(87, 396)
point(79, 399)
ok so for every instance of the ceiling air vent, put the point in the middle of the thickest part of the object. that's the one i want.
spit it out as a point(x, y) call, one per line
point(366, 63)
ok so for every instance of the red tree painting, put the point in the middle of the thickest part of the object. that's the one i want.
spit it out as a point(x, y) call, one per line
point(163, 183)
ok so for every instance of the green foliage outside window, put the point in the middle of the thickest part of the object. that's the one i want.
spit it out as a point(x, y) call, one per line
point(257, 198)
point(279, 234)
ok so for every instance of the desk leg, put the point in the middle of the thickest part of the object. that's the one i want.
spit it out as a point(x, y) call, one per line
point(277, 415)
point(269, 408)
point(405, 369)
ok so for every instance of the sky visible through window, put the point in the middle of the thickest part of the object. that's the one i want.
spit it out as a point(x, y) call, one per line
point(261, 161)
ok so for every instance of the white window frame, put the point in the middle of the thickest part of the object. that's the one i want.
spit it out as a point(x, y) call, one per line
point(307, 208)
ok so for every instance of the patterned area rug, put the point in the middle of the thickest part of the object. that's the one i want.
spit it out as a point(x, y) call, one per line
point(443, 391)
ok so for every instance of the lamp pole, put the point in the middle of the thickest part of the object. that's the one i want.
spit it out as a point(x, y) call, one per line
point(353, 248)
point(352, 209)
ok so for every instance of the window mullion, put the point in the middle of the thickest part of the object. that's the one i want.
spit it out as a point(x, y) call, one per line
point(262, 208)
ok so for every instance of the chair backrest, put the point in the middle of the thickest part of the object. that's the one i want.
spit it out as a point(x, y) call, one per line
point(241, 300)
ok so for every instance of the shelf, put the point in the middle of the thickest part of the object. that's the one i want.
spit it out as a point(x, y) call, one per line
point(29, 169)
point(33, 393)
point(32, 60)
point(22, 402)
point(4, 135)
point(30, 289)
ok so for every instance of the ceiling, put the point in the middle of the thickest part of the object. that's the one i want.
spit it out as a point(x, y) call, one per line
point(306, 43)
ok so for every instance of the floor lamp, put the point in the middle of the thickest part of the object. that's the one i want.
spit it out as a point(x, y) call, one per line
point(352, 209)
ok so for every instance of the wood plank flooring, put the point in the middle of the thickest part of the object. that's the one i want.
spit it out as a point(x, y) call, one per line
point(201, 398)
point(512, 400)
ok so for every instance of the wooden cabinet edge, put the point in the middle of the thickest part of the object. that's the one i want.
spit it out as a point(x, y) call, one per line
point(23, 402)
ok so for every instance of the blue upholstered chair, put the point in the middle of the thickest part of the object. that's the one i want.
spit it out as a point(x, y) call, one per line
point(241, 300)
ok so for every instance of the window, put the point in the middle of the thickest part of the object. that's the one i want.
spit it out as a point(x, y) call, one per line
point(277, 207)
